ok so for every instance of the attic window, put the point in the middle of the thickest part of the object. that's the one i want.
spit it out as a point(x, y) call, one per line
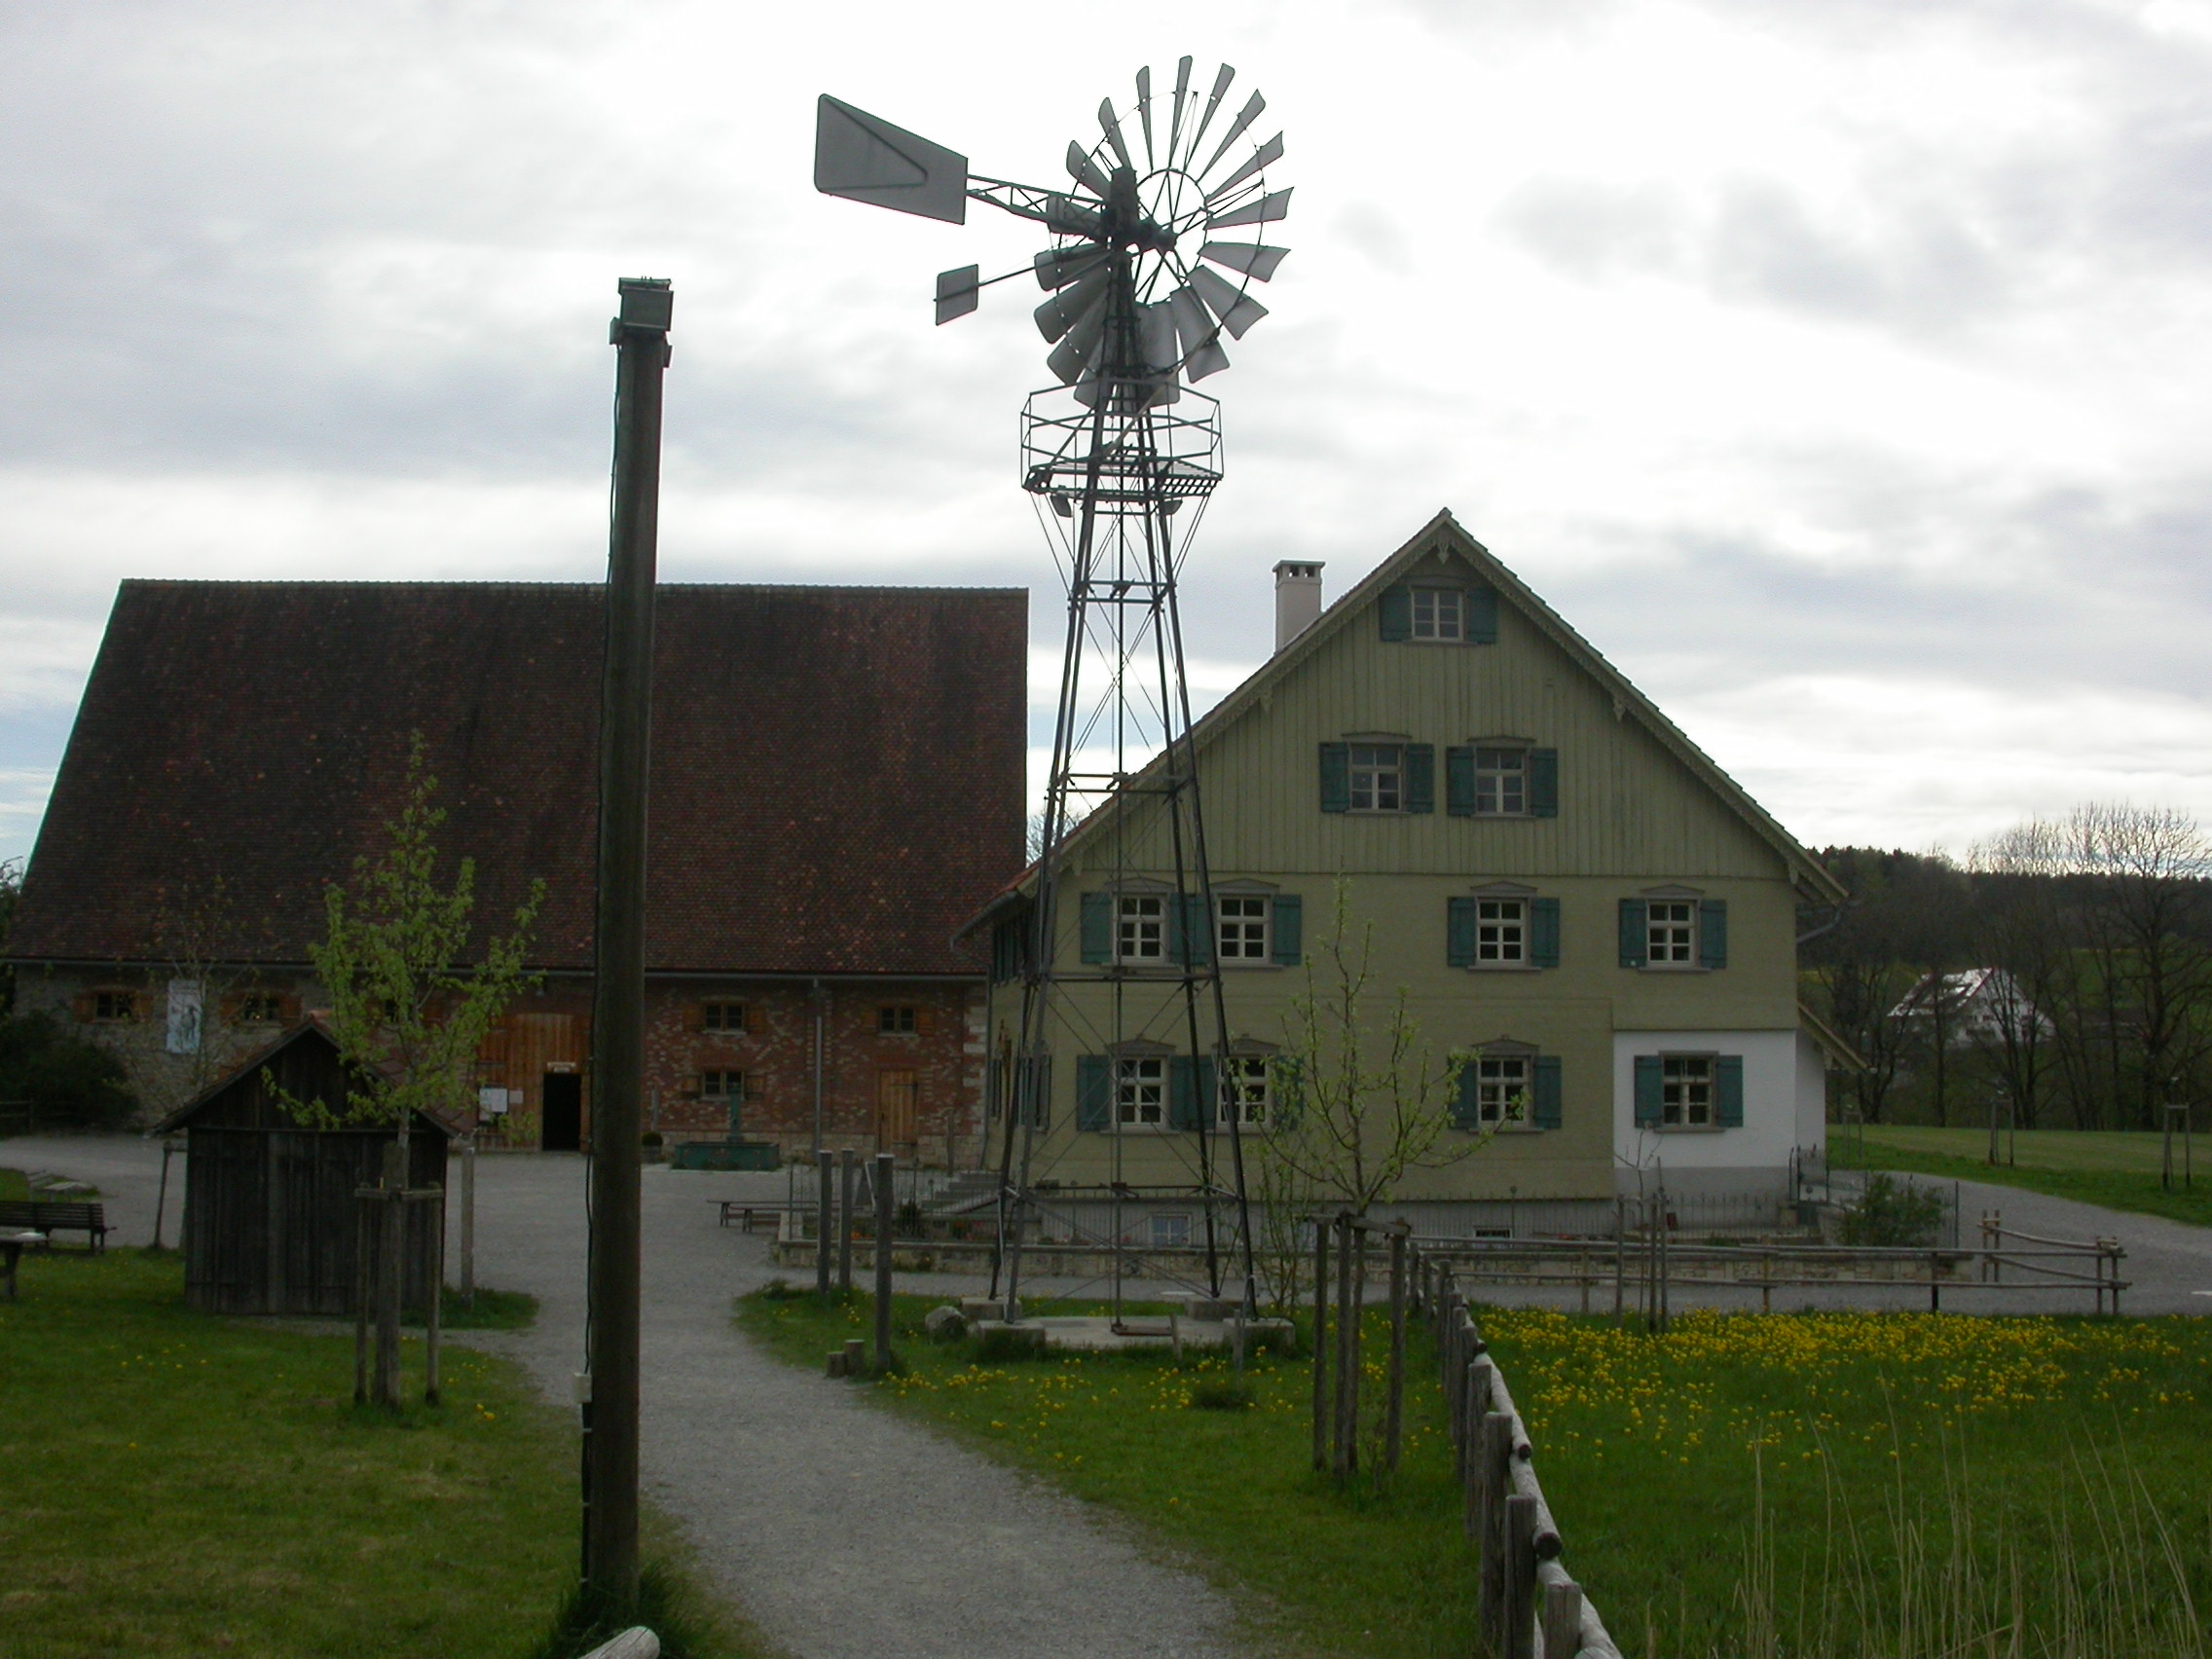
point(114, 1005)
point(1439, 614)
point(895, 1021)
point(721, 1016)
point(260, 1007)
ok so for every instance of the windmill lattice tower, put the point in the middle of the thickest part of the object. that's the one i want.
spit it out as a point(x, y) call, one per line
point(1150, 266)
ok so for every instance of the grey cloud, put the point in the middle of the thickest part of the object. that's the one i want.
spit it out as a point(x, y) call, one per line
point(1596, 230)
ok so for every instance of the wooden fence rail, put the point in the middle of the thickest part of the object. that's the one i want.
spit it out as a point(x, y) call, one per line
point(1530, 1606)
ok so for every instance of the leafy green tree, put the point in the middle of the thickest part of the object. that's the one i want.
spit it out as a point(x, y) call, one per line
point(1361, 1100)
point(65, 1078)
point(408, 1008)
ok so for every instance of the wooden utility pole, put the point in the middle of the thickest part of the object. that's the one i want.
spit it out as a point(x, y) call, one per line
point(618, 1004)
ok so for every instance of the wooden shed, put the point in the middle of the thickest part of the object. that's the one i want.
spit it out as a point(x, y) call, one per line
point(270, 1211)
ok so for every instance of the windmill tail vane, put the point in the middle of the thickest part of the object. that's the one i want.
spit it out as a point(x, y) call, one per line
point(1157, 243)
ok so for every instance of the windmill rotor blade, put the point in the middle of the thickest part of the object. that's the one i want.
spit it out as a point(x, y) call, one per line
point(1201, 336)
point(1244, 118)
point(1175, 121)
point(1085, 172)
point(1236, 309)
point(1057, 267)
point(863, 157)
point(1066, 310)
point(1082, 348)
point(1111, 122)
point(1144, 111)
point(1272, 206)
point(1256, 260)
point(1220, 86)
point(957, 292)
point(1266, 156)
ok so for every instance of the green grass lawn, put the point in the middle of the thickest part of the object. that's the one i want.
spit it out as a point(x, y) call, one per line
point(174, 1483)
point(1746, 1485)
point(2115, 1168)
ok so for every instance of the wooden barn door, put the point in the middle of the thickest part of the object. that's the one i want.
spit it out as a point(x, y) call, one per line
point(897, 1110)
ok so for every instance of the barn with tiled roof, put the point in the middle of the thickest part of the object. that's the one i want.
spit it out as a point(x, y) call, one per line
point(837, 782)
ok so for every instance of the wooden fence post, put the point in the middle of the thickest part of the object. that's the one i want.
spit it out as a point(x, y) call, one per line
point(885, 1200)
point(392, 1270)
point(1520, 1607)
point(1321, 1415)
point(1393, 1411)
point(361, 1296)
point(825, 1219)
point(846, 1165)
point(434, 1319)
point(1562, 1619)
point(1348, 1239)
point(1493, 1481)
point(1476, 1396)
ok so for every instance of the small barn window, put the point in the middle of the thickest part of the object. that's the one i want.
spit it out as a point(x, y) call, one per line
point(260, 1007)
point(723, 1017)
point(112, 1006)
point(896, 1021)
point(721, 1086)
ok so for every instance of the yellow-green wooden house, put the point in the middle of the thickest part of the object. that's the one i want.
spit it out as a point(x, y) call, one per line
point(1576, 899)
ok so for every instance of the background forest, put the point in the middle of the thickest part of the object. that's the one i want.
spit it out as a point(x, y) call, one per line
point(2063, 969)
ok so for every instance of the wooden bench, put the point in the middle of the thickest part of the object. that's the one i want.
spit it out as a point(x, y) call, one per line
point(46, 1218)
point(742, 1213)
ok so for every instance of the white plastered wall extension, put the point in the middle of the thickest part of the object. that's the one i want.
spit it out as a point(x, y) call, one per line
point(1754, 1159)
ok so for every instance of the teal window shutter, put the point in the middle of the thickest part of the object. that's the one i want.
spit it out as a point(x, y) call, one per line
point(1289, 1079)
point(1713, 933)
point(1635, 933)
point(1481, 617)
point(1651, 1084)
point(1182, 1093)
point(1192, 941)
point(1421, 777)
point(1728, 1090)
point(1543, 783)
point(1547, 1103)
point(1543, 933)
point(1336, 777)
point(1460, 782)
point(1097, 928)
point(1093, 1093)
point(1289, 921)
point(1395, 611)
point(1466, 1099)
point(1460, 933)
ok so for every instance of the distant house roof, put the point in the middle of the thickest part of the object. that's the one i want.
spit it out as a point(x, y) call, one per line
point(837, 772)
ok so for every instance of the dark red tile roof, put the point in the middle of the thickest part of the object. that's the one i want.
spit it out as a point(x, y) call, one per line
point(837, 772)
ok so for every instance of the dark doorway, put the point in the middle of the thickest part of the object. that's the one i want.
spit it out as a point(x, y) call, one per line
point(561, 1122)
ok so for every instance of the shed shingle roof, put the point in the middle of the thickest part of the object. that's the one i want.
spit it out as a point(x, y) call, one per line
point(837, 772)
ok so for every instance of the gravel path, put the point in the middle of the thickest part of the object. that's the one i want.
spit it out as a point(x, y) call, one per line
point(845, 1532)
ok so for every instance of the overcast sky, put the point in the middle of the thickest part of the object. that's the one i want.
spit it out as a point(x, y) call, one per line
point(1841, 368)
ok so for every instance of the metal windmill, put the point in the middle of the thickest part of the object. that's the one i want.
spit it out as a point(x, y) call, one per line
point(1150, 266)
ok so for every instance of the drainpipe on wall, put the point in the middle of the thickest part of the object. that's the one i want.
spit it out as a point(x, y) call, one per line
point(820, 997)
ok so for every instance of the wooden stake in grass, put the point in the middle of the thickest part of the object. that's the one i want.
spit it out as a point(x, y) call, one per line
point(1320, 1344)
point(883, 1212)
point(391, 1256)
point(1393, 1412)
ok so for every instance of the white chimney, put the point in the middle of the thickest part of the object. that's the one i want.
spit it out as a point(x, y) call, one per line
point(1298, 598)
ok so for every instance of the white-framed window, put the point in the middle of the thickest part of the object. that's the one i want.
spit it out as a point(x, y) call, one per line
point(1140, 1092)
point(1501, 1089)
point(1169, 1231)
point(1439, 614)
point(1685, 1091)
point(1140, 928)
point(1501, 782)
point(1671, 930)
point(721, 1086)
point(1378, 776)
point(1243, 927)
point(1246, 1089)
point(1501, 931)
